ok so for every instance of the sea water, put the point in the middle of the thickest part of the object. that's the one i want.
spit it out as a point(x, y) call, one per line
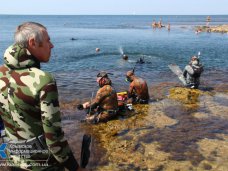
point(75, 63)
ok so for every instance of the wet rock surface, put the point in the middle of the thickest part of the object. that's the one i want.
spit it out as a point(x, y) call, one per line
point(218, 29)
point(184, 130)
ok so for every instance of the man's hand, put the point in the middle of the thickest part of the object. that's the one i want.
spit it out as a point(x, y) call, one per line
point(129, 101)
point(86, 105)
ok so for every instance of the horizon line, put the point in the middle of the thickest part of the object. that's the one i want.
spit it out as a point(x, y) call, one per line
point(117, 14)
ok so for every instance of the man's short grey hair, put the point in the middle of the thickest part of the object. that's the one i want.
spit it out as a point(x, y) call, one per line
point(29, 30)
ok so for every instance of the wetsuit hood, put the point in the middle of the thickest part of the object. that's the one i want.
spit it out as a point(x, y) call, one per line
point(104, 81)
point(102, 74)
point(18, 57)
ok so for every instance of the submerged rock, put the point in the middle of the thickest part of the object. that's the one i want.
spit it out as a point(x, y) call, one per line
point(189, 97)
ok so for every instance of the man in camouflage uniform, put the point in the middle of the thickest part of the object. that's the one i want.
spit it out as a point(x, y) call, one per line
point(105, 105)
point(138, 90)
point(29, 103)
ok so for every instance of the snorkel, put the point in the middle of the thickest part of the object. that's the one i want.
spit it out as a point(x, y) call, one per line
point(130, 74)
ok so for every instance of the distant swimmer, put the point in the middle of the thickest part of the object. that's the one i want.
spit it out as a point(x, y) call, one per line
point(168, 27)
point(160, 23)
point(140, 60)
point(208, 20)
point(125, 57)
point(154, 24)
point(73, 38)
point(97, 49)
point(198, 31)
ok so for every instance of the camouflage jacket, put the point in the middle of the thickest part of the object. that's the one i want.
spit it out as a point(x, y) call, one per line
point(30, 107)
point(106, 98)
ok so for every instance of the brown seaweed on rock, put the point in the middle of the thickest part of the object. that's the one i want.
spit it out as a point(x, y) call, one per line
point(186, 131)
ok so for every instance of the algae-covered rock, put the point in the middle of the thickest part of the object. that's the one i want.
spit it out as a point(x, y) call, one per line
point(200, 115)
point(186, 131)
point(219, 29)
point(214, 152)
point(189, 97)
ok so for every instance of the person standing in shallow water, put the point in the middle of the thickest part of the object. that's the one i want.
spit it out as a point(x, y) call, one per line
point(138, 89)
point(154, 24)
point(168, 27)
point(105, 105)
point(192, 72)
point(29, 104)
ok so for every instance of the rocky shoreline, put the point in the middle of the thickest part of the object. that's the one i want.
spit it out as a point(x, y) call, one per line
point(216, 29)
point(186, 130)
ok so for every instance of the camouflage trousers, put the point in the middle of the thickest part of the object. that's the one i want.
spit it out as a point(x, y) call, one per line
point(103, 116)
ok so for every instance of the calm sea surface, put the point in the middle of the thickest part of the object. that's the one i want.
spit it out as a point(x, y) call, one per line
point(75, 64)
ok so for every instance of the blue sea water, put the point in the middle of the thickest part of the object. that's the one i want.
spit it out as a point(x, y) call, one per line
point(75, 64)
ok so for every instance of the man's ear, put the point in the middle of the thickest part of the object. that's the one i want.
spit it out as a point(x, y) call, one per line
point(32, 42)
